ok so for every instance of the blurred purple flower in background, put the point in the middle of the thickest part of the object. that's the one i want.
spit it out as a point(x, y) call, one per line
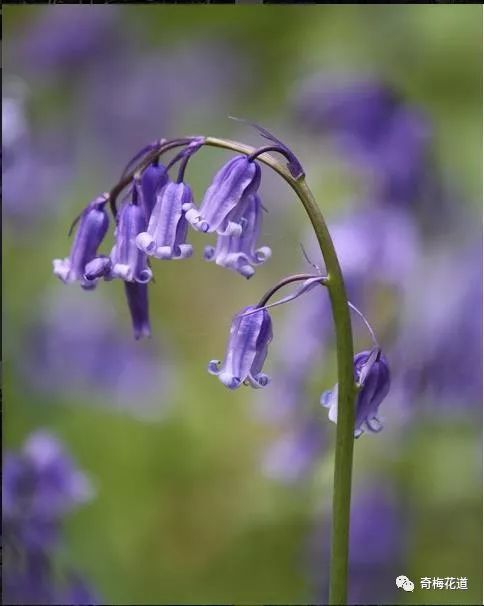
point(378, 546)
point(76, 347)
point(375, 244)
point(431, 294)
point(63, 39)
point(40, 486)
point(44, 479)
point(35, 166)
point(439, 349)
point(293, 455)
point(163, 83)
point(355, 109)
point(375, 128)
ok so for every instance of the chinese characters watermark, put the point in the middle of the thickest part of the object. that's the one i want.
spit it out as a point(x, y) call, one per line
point(443, 583)
point(452, 583)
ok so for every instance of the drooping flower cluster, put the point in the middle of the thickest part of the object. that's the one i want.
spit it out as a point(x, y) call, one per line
point(154, 222)
point(40, 486)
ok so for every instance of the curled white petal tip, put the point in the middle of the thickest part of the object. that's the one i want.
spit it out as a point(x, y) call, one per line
point(262, 254)
point(144, 276)
point(229, 380)
point(374, 424)
point(123, 271)
point(164, 252)
point(145, 242)
point(209, 253)
point(185, 251)
point(62, 269)
point(231, 229)
point(193, 217)
point(247, 271)
point(214, 367)
point(258, 381)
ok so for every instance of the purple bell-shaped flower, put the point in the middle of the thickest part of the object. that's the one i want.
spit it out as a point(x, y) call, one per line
point(247, 349)
point(372, 376)
point(93, 225)
point(237, 251)
point(221, 209)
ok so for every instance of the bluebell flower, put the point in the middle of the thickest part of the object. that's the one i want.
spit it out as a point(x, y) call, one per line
point(372, 376)
point(221, 210)
point(167, 230)
point(250, 335)
point(127, 261)
point(238, 251)
point(93, 225)
point(153, 178)
point(67, 38)
point(137, 297)
point(247, 349)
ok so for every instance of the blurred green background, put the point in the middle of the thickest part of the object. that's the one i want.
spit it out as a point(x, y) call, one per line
point(182, 512)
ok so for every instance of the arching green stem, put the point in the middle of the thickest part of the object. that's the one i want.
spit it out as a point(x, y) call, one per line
point(346, 391)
